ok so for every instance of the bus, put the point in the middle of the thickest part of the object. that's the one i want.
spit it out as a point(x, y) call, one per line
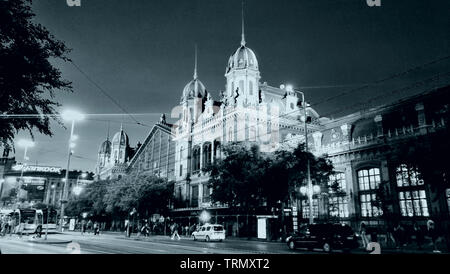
point(30, 220)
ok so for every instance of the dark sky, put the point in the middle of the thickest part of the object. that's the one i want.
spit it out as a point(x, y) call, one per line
point(142, 52)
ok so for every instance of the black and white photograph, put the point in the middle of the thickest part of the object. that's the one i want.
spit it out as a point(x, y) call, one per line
point(225, 127)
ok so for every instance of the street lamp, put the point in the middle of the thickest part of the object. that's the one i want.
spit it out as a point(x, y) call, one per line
point(25, 144)
point(310, 191)
point(70, 116)
point(77, 189)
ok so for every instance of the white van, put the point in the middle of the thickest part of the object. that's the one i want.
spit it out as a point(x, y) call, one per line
point(209, 232)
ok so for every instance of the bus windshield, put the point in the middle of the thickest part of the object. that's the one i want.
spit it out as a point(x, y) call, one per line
point(28, 216)
point(52, 216)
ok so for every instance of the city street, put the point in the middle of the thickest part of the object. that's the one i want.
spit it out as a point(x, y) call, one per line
point(116, 243)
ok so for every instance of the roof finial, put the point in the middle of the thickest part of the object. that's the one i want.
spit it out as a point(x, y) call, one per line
point(195, 67)
point(243, 33)
point(107, 134)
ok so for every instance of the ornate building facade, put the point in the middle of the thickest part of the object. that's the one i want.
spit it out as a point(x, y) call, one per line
point(113, 157)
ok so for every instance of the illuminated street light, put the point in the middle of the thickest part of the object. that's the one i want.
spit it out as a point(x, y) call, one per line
point(25, 144)
point(310, 191)
point(77, 190)
point(72, 115)
point(69, 116)
point(205, 216)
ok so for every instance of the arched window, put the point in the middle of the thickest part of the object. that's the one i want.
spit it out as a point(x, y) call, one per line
point(338, 201)
point(230, 134)
point(411, 192)
point(196, 159)
point(368, 180)
point(217, 150)
point(206, 154)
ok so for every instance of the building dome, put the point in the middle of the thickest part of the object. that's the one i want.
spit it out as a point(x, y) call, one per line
point(105, 147)
point(120, 138)
point(243, 58)
point(194, 89)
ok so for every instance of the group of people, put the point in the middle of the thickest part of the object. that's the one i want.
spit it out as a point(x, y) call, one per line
point(7, 225)
point(400, 236)
point(90, 227)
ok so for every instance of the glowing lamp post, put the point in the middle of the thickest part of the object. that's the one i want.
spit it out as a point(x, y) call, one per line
point(25, 144)
point(69, 116)
point(205, 216)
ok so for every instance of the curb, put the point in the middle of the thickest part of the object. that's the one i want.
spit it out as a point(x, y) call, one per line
point(50, 241)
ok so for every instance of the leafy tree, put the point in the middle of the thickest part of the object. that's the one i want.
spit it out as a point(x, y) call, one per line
point(247, 178)
point(237, 180)
point(28, 80)
point(146, 193)
point(90, 200)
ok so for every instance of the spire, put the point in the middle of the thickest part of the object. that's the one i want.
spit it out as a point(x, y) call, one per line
point(107, 133)
point(195, 66)
point(243, 33)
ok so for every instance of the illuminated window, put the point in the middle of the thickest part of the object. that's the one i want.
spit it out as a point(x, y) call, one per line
point(413, 203)
point(338, 207)
point(305, 208)
point(369, 179)
point(407, 176)
point(338, 178)
point(338, 202)
point(368, 209)
point(412, 195)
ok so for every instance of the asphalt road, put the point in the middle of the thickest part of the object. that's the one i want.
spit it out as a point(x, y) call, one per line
point(118, 244)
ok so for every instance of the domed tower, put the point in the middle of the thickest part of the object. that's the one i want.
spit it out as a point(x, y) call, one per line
point(104, 155)
point(194, 95)
point(119, 147)
point(242, 75)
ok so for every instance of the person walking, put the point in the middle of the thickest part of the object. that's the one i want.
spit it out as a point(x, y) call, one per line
point(174, 229)
point(96, 228)
point(83, 227)
point(363, 233)
point(89, 226)
point(431, 227)
point(419, 235)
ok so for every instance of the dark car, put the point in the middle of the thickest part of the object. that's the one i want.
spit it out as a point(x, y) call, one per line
point(325, 236)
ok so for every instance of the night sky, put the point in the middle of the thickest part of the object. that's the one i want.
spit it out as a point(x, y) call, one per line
point(142, 53)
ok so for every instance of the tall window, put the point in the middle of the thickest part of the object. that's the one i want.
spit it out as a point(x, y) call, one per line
point(250, 87)
point(206, 197)
point(368, 181)
point(338, 201)
point(196, 159)
point(412, 195)
point(305, 208)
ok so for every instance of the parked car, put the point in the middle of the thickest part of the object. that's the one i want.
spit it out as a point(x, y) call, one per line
point(325, 236)
point(209, 232)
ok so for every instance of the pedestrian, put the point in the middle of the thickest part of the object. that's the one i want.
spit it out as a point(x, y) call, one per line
point(363, 232)
point(96, 228)
point(399, 235)
point(419, 235)
point(83, 227)
point(89, 226)
point(174, 230)
point(432, 232)
point(145, 229)
point(187, 230)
